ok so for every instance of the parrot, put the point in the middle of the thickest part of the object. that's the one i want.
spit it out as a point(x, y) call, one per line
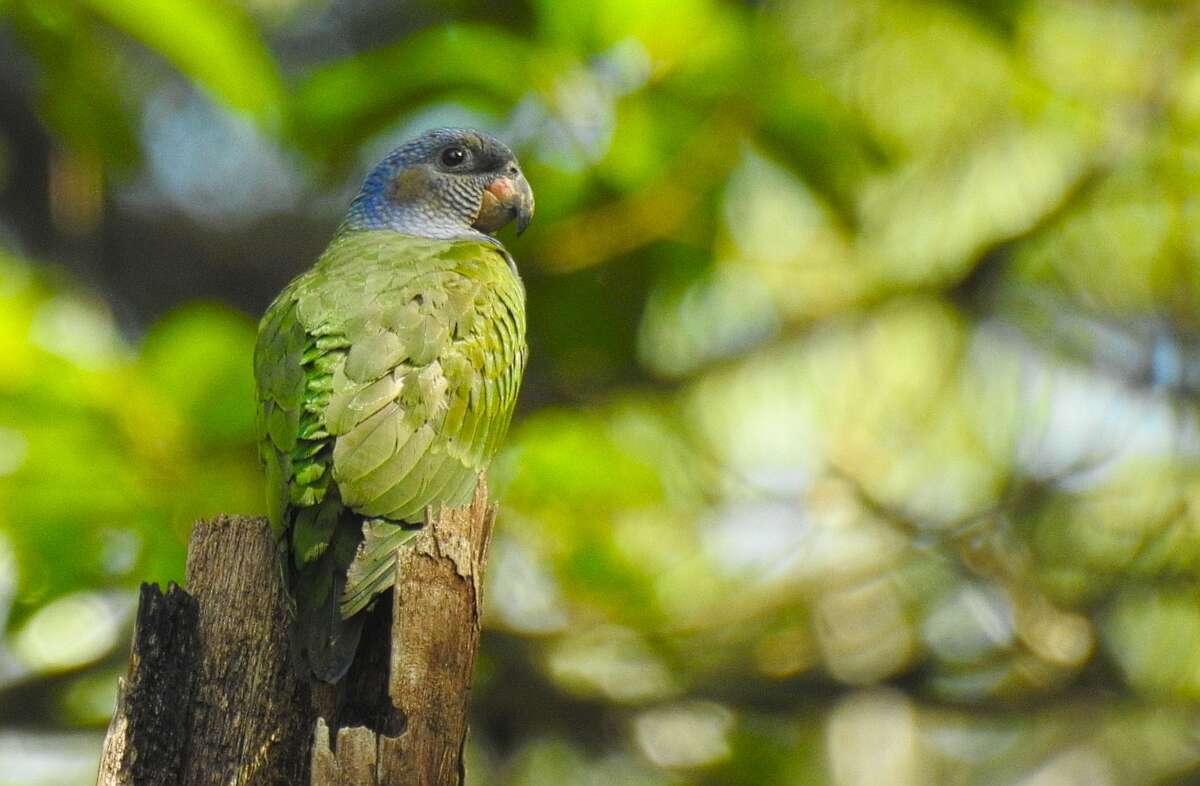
point(386, 377)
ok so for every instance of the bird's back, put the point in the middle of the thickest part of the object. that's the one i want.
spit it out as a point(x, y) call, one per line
point(387, 376)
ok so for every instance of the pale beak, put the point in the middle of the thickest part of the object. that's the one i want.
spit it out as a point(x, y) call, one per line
point(507, 197)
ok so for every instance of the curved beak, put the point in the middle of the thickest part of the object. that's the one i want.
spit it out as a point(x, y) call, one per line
point(508, 197)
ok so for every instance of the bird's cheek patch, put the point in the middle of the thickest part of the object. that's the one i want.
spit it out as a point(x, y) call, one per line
point(494, 211)
point(408, 186)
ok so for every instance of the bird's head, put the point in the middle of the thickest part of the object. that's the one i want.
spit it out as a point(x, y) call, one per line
point(446, 183)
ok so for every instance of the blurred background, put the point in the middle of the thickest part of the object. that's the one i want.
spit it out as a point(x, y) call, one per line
point(859, 445)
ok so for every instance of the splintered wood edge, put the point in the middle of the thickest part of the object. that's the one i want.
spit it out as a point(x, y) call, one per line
point(116, 741)
point(463, 536)
point(357, 754)
point(353, 761)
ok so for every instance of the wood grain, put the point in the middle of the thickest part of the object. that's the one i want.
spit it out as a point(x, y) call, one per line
point(211, 697)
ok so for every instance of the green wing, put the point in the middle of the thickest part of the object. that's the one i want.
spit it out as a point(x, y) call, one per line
point(387, 376)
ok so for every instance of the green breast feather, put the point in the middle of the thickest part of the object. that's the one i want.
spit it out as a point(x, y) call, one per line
point(387, 376)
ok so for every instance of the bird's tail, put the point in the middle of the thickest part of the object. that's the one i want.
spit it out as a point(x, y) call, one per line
point(374, 567)
point(323, 642)
point(332, 592)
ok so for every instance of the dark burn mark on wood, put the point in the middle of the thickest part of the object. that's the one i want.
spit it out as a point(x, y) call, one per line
point(160, 684)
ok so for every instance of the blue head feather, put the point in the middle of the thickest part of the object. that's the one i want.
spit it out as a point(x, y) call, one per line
point(445, 203)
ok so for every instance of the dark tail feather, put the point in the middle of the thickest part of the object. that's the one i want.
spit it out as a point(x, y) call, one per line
point(322, 642)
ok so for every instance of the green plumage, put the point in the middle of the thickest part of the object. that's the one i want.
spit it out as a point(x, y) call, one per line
point(387, 376)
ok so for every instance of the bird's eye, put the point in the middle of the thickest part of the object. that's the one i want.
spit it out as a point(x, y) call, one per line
point(453, 156)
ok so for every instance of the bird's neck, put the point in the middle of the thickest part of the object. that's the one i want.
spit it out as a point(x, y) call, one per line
point(373, 211)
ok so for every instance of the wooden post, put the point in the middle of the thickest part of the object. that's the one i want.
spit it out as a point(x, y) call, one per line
point(211, 697)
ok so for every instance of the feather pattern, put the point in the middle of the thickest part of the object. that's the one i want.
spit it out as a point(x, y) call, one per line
point(387, 375)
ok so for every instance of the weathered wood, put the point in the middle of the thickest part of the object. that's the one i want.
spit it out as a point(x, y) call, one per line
point(145, 739)
point(251, 716)
point(435, 624)
point(225, 701)
point(211, 696)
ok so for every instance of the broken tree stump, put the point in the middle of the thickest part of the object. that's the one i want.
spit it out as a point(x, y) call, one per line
point(211, 696)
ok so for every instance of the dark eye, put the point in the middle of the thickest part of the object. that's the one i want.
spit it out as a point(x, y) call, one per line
point(453, 156)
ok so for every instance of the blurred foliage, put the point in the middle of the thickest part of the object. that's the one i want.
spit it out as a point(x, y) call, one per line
point(96, 431)
point(860, 441)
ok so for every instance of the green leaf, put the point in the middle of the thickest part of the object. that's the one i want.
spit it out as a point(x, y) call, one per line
point(78, 88)
point(212, 41)
point(350, 98)
point(199, 358)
